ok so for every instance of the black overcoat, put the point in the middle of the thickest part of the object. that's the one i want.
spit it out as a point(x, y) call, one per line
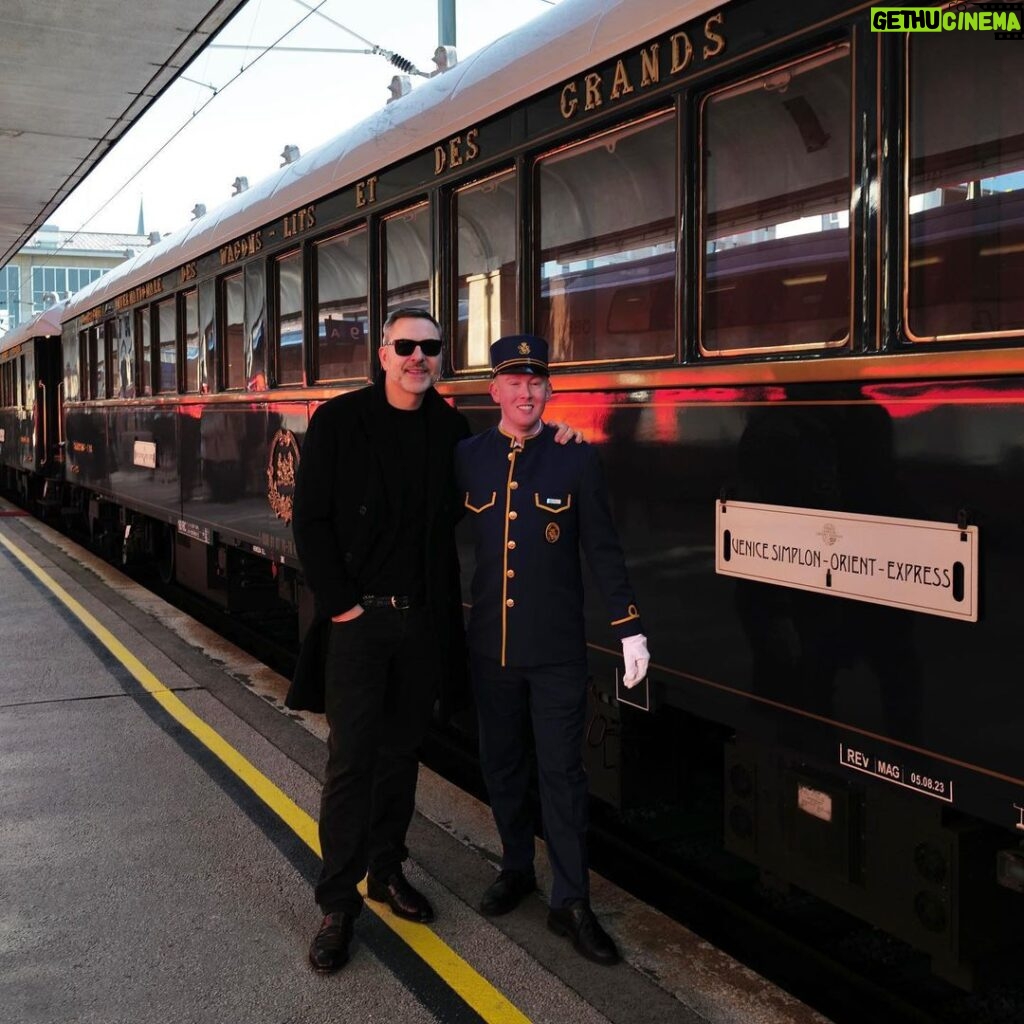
point(346, 496)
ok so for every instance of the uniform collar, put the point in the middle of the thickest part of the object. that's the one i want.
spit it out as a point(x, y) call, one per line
point(515, 443)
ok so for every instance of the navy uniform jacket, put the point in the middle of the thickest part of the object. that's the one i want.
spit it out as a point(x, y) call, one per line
point(531, 509)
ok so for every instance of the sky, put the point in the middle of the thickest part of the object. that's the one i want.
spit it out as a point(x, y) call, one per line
point(285, 97)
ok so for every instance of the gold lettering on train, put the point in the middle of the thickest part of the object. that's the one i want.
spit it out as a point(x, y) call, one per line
point(456, 151)
point(654, 58)
point(569, 103)
point(681, 54)
point(713, 37)
point(298, 221)
point(366, 191)
point(621, 85)
point(189, 272)
point(140, 293)
point(649, 70)
point(241, 248)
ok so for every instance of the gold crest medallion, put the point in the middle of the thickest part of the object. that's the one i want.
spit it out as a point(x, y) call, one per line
point(552, 533)
point(281, 467)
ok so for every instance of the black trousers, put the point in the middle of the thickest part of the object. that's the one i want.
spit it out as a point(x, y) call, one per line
point(381, 681)
point(554, 699)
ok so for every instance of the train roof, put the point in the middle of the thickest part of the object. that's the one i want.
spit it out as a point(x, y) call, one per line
point(42, 325)
point(569, 38)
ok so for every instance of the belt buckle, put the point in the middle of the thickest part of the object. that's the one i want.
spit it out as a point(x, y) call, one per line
point(399, 603)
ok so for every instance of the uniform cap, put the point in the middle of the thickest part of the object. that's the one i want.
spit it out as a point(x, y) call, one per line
point(520, 353)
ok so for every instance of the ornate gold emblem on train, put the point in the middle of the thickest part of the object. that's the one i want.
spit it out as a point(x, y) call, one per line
point(281, 467)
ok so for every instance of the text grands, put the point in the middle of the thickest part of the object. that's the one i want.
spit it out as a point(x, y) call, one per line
point(671, 58)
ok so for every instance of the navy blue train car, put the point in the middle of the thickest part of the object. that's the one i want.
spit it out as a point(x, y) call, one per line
point(31, 428)
point(777, 255)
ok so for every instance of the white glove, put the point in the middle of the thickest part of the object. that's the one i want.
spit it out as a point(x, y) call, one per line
point(634, 653)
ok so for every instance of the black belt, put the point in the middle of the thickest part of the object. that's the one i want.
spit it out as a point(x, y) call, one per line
point(400, 601)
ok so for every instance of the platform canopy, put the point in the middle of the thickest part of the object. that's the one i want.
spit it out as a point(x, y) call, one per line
point(74, 77)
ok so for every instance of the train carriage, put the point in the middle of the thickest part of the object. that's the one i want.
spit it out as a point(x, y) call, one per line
point(777, 256)
point(31, 430)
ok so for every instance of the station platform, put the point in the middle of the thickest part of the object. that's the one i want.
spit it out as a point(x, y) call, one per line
point(158, 847)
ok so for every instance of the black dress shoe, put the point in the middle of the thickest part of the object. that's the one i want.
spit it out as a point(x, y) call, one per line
point(400, 896)
point(329, 950)
point(576, 921)
point(506, 892)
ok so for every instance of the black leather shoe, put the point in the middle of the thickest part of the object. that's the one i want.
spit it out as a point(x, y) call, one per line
point(576, 921)
point(506, 892)
point(401, 897)
point(329, 950)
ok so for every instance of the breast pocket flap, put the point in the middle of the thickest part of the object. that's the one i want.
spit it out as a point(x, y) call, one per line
point(553, 503)
point(479, 503)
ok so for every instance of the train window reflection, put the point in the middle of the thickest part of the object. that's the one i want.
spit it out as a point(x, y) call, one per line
point(207, 338)
point(342, 307)
point(166, 377)
point(607, 228)
point(966, 203)
point(190, 310)
point(289, 319)
point(97, 366)
point(111, 343)
point(126, 355)
point(142, 348)
point(405, 242)
point(234, 331)
point(776, 244)
point(255, 353)
point(485, 260)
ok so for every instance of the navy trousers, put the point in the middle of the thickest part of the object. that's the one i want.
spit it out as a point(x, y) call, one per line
point(554, 699)
point(381, 681)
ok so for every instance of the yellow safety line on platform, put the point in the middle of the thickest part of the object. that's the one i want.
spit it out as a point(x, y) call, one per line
point(479, 993)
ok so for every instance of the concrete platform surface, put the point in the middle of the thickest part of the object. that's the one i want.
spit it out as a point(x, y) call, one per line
point(145, 877)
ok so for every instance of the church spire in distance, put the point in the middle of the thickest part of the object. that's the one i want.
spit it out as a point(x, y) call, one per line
point(142, 220)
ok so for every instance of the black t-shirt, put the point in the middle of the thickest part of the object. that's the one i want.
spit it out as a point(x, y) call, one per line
point(397, 565)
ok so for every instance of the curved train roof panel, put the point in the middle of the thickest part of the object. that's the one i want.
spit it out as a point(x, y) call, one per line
point(42, 325)
point(574, 36)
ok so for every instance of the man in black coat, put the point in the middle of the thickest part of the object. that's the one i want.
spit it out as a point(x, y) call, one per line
point(373, 525)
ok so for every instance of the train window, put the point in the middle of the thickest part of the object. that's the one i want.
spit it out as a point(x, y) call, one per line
point(24, 382)
point(405, 243)
point(607, 224)
point(166, 376)
point(126, 356)
point(143, 335)
point(83, 361)
point(255, 327)
point(341, 287)
point(775, 244)
point(289, 319)
point(190, 339)
point(234, 331)
point(97, 364)
point(964, 225)
point(111, 340)
point(208, 337)
point(485, 262)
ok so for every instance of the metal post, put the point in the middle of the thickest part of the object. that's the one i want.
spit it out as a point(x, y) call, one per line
point(445, 22)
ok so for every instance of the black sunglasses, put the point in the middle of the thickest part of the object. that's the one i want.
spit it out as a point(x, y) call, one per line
point(406, 347)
